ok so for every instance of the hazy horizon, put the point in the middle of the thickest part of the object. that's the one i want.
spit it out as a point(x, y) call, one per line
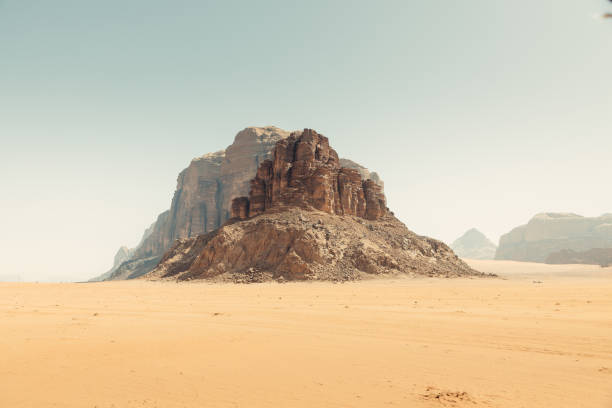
point(475, 114)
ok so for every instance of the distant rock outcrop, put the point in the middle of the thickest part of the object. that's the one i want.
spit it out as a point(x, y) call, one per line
point(474, 245)
point(307, 218)
point(203, 196)
point(595, 256)
point(133, 268)
point(549, 233)
point(123, 254)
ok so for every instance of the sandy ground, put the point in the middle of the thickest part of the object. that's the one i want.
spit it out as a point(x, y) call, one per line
point(410, 343)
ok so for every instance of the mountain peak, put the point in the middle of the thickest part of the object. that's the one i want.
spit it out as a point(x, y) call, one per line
point(473, 244)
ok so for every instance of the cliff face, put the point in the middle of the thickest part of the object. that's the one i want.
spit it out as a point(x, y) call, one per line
point(305, 172)
point(203, 196)
point(553, 232)
point(306, 217)
point(204, 190)
point(474, 245)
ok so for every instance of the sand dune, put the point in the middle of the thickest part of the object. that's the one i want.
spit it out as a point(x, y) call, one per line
point(410, 343)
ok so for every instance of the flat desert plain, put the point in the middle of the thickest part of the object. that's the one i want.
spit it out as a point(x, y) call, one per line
point(539, 336)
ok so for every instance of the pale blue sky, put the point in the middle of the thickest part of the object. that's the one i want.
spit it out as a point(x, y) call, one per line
point(476, 113)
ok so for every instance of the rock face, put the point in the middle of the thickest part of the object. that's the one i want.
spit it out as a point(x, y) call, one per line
point(305, 172)
point(203, 197)
point(205, 189)
point(122, 255)
point(366, 174)
point(595, 256)
point(553, 232)
point(474, 245)
point(306, 217)
point(134, 268)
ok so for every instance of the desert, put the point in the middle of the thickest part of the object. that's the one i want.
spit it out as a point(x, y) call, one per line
point(537, 336)
point(351, 204)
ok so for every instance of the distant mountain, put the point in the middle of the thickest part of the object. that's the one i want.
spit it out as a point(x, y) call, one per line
point(549, 233)
point(122, 255)
point(474, 245)
point(595, 256)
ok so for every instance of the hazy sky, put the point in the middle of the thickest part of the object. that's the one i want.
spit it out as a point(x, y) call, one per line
point(476, 113)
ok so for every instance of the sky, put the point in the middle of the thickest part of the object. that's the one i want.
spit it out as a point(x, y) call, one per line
point(476, 113)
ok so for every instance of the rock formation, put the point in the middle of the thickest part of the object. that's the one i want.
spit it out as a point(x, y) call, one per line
point(306, 217)
point(205, 189)
point(305, 172)
point(553, 232)
point(122, 255)
point(133, 268)
point(203, 196)
point(474, 245)
point(595, 256)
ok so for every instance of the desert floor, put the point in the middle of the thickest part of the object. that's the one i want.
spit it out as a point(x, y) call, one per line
point(508, 342)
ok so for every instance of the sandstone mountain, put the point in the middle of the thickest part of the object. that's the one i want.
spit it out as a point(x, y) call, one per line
point(306, 217)
point(203, 196)
point(549, 233)
point(474, 245)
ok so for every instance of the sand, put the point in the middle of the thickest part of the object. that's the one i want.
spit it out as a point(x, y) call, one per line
point(410, 343)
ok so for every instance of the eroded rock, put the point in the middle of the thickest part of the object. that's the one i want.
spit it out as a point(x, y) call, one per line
point(305, 172)
point(297, 244)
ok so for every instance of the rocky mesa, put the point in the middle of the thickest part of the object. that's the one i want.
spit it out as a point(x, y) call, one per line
point(308, 218)
point(550, 233)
